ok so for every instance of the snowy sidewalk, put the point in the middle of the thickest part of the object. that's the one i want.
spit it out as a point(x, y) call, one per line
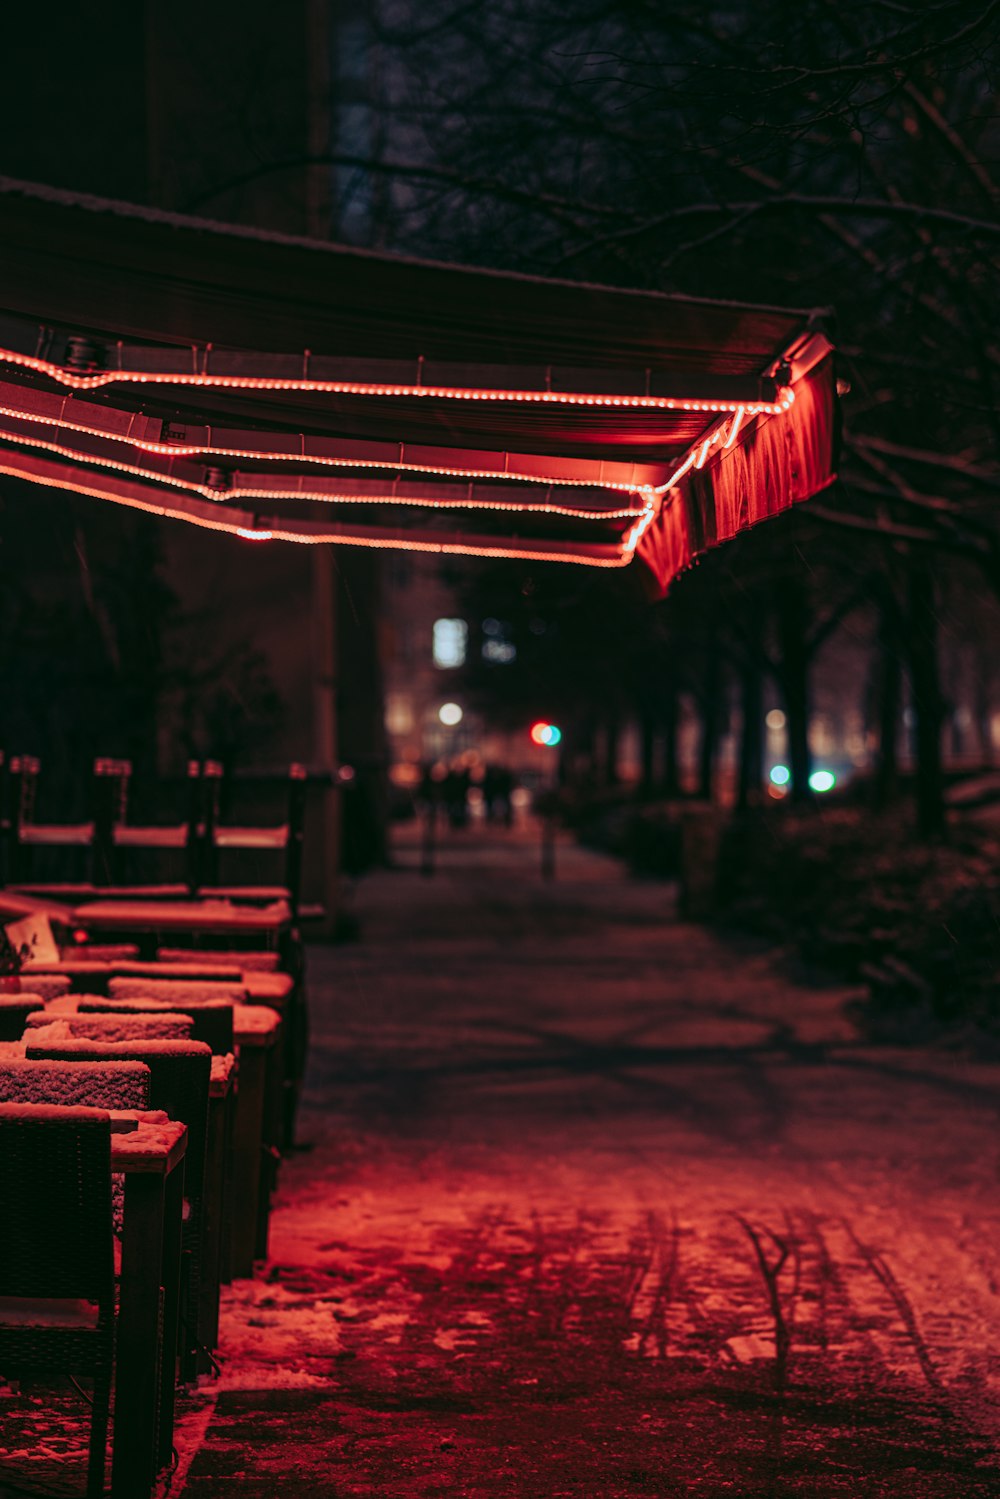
point(599, 1205)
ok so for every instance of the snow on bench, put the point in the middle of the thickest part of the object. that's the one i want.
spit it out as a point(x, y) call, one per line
point(161, 1026)
point(263, 962)
point(102, 1085)
point(177, 990)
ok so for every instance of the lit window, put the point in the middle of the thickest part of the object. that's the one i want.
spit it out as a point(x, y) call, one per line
point(499, 651)
point(450, 637)
point(498, 647)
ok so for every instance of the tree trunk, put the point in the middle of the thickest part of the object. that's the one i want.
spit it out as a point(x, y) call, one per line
point(710, 715)
point(647, 733)
point(794, 676)
point(889, 684)
point(751, 771)
point(671, 722)
point(928, 705)
point(612, 730)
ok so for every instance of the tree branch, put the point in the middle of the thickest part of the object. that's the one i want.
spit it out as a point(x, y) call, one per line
point(888, 531)
point(870, 208)
point(413, 170)
point(978, 475)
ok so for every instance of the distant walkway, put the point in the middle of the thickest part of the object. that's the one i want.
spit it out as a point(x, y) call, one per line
point(600, 1205)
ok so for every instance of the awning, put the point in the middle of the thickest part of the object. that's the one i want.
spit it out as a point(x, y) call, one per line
point(291, 390)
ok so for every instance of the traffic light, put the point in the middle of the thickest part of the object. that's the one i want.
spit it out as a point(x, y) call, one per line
point(548, 734)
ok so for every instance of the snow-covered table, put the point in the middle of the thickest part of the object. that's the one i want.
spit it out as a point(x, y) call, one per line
point(192, 917)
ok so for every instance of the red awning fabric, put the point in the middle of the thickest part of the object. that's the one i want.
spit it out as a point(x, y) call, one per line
point(781, 462)
point(289, 390)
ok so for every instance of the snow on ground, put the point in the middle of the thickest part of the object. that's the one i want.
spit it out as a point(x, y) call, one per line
point(598, 1204)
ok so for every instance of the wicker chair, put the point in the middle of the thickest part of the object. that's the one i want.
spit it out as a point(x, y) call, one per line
point(165, 1025)
point(96, 1085)
point(286, 838)
point(92, 1085)
point(14, 1011)
point(57, 1279)
point(180, 1073)
point(176, 991)
point(211, 1021)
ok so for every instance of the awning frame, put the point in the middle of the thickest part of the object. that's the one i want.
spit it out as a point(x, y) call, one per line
point(663, 443)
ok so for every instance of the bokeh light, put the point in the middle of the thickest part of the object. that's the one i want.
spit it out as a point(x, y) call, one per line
point(822, 780)
point(548, 734)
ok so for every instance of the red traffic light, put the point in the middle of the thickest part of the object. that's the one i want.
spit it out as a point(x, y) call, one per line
point(547, 734)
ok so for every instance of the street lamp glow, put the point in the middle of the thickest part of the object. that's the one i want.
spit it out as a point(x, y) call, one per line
point(780, 775)
point(822, 780)
point(450, 714)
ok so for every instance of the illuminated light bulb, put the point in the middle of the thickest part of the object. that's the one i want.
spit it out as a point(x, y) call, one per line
point(780, 775)
point(450, 714)
point(775, 719)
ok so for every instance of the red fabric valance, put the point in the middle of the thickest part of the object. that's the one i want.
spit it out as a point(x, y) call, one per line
point(779, 462)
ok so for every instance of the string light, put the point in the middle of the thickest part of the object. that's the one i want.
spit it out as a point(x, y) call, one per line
point(642, 525)
point(678, 473)
point(602, 469)
point(50, 477)
point(375, 388)
point(243, 492)
point(695, 458)
point(724, 433)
